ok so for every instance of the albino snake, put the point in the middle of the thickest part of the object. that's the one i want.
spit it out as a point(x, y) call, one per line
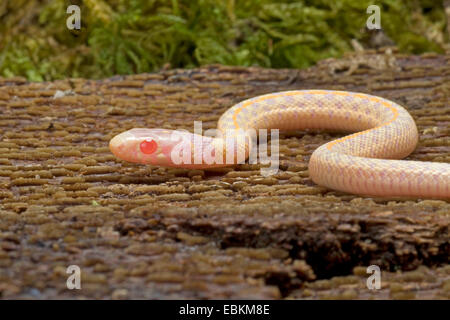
point(355, 163)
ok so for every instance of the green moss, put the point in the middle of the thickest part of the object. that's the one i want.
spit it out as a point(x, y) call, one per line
point(124, 37)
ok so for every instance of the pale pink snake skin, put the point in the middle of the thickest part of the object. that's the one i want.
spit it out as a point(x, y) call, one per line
point(356, 163)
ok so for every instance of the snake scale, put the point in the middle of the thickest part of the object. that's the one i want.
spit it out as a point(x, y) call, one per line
point(366, 162)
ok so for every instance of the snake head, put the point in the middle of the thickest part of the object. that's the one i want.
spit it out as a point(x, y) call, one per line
point(147, 146)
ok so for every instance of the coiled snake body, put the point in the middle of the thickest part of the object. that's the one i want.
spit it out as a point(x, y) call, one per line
point(360, 163)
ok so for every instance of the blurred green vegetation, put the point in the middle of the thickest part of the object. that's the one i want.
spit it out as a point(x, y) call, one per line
point(133, 36)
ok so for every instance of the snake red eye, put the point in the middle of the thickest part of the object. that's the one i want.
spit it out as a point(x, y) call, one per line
point(148, 146)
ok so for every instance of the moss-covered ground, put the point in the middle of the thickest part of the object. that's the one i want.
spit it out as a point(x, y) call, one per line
point(127, 37)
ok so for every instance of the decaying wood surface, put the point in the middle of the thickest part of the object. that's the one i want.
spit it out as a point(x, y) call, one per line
point(143, 232)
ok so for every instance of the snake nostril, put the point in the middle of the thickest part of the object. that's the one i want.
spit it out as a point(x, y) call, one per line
point(148, 146)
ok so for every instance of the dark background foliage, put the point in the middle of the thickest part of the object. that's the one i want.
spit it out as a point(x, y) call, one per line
point(134, 36)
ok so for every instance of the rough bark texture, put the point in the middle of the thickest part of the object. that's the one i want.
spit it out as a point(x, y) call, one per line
point(143, 232)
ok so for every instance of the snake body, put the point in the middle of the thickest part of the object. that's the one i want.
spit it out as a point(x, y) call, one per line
point(361, 163)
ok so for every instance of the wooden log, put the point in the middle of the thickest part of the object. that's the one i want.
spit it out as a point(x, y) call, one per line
point(226, 233)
